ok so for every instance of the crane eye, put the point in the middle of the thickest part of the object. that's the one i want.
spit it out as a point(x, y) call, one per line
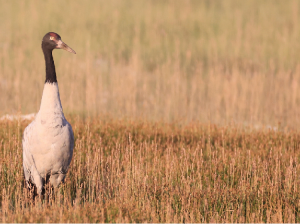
point(51, 38)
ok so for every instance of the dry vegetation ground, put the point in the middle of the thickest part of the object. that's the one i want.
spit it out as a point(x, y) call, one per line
point(125, 171)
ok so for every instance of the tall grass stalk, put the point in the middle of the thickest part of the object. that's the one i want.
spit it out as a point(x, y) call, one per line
point(217, 61)
point(134, 171)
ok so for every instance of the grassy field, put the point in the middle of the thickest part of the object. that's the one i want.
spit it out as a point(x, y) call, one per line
point(209, 61)
point(134, 171)
point(168, 101)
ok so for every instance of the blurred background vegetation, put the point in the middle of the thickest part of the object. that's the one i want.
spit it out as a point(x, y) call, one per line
point(210, 61)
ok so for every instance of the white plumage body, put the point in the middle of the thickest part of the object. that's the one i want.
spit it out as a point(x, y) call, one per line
point(48, 141)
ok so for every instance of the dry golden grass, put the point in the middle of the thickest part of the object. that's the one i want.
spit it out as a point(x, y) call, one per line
point(125, 171)
point(215, 61)
point(153, 66)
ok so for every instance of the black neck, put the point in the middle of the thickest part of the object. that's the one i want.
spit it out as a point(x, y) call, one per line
point(50, 67)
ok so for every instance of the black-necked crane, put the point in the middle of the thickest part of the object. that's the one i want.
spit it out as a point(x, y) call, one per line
point(48, 141)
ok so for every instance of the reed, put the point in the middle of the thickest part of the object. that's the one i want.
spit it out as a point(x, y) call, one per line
point(135, 171)
point(219, 62)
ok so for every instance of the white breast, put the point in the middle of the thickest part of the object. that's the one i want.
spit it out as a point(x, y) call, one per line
point(48, 141)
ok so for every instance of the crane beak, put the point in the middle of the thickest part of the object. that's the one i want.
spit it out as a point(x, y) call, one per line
point(62, 45)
